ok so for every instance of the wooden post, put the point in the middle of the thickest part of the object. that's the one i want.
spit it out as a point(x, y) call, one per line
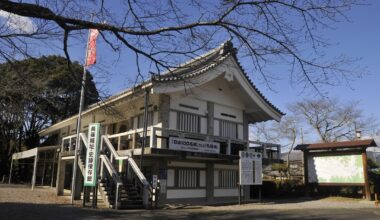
point(133, 140)
point(306, 173)
point(34, 171)
point(52, 169)
point(366, 180)
point(10, 172)
point(43, 171)
point(239, 188)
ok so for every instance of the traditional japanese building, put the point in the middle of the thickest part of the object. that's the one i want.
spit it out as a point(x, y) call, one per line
point(198, 120)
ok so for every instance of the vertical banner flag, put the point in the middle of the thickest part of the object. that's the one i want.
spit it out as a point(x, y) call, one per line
point(91, 47)
point(92, 154)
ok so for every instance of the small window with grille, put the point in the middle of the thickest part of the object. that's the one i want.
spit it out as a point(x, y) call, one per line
point(228, 129)
point(188, 122)
point(187, 178)
point(228, 178)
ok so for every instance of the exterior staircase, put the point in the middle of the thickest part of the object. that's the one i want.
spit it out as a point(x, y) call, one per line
point(129, 196)
point(117, 190)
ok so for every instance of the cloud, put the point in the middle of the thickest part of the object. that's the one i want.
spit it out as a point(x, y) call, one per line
point(17, 23)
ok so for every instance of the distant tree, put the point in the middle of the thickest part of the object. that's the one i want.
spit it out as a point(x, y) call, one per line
point(34, 94)
point(333, 120)
point(287, 132)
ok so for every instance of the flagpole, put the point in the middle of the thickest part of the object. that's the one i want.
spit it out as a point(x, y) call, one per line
point(81, 103)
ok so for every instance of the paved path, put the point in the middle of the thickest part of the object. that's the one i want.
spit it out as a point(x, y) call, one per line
point(19, 202)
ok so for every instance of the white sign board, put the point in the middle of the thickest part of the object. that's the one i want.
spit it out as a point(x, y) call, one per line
point(183, 144)
point(154, 181)
point(336, 169)
point(92, 154)
point(250, 168)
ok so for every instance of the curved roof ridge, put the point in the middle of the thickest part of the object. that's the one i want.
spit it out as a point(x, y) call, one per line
point(255, 87)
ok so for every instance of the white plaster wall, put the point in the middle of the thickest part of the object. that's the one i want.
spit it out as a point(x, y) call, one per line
point(185, 193)
point(216, 128)
point(202, 178)
point(135, 122)
point(219, 109)
point(171, 176)
point(216, 178)
point(172, 120)
point(177, 99)
point(155, 118)
point(203, 125)
point(240, 131)
point(186, 164)
point(219, 91)
point(226, 192)
point(226, 167)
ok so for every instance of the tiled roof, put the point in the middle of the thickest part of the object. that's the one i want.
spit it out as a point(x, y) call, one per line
point(334, 145)
point(207, 62)
point(193, 68)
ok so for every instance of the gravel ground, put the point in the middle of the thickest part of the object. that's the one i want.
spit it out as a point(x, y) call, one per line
point(20, 202)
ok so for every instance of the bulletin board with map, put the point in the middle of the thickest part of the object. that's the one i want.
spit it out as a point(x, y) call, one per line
point(338, 169)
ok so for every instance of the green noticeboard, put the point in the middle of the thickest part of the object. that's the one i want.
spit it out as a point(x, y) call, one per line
point(92, 154)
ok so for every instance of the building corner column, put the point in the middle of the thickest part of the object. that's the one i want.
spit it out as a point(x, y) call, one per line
point(210, 182)
point(60, 181)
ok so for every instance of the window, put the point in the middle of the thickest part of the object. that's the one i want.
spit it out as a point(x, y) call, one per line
point(187, 178)
point(228, 129)
point(140, 120)
point(188, 122)
point(228, 178)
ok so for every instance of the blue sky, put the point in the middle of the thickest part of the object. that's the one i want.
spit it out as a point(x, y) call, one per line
point(358, 38)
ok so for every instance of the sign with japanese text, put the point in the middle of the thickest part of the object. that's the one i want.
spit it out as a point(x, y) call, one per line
point(154, 181)
point(184, 144)
point(250, 168)
point(92, 154)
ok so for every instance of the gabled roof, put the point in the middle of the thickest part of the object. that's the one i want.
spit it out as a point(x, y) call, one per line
point(192, 68)
point(206, 62)
point(336, 145)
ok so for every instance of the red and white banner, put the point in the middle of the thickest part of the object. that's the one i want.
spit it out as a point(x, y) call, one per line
point(91, 47)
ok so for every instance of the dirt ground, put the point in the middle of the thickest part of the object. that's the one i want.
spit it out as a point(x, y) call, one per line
point(20, 202)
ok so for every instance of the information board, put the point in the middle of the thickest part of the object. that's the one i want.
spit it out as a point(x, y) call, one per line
point(336, 169)
point(92, 154)
point(250, 168)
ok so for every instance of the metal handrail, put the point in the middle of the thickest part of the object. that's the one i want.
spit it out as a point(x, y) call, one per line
point(139, 130)
point(133, 165)
point(69, 137)
point(137, 171)
point(83, 137)
point(147, 188)
point(113, 173)
point(109, 145)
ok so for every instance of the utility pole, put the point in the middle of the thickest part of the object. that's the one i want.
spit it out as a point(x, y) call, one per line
point(145, 125)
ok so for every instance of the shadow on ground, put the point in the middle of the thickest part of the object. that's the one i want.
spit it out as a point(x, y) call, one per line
point(56, 212)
